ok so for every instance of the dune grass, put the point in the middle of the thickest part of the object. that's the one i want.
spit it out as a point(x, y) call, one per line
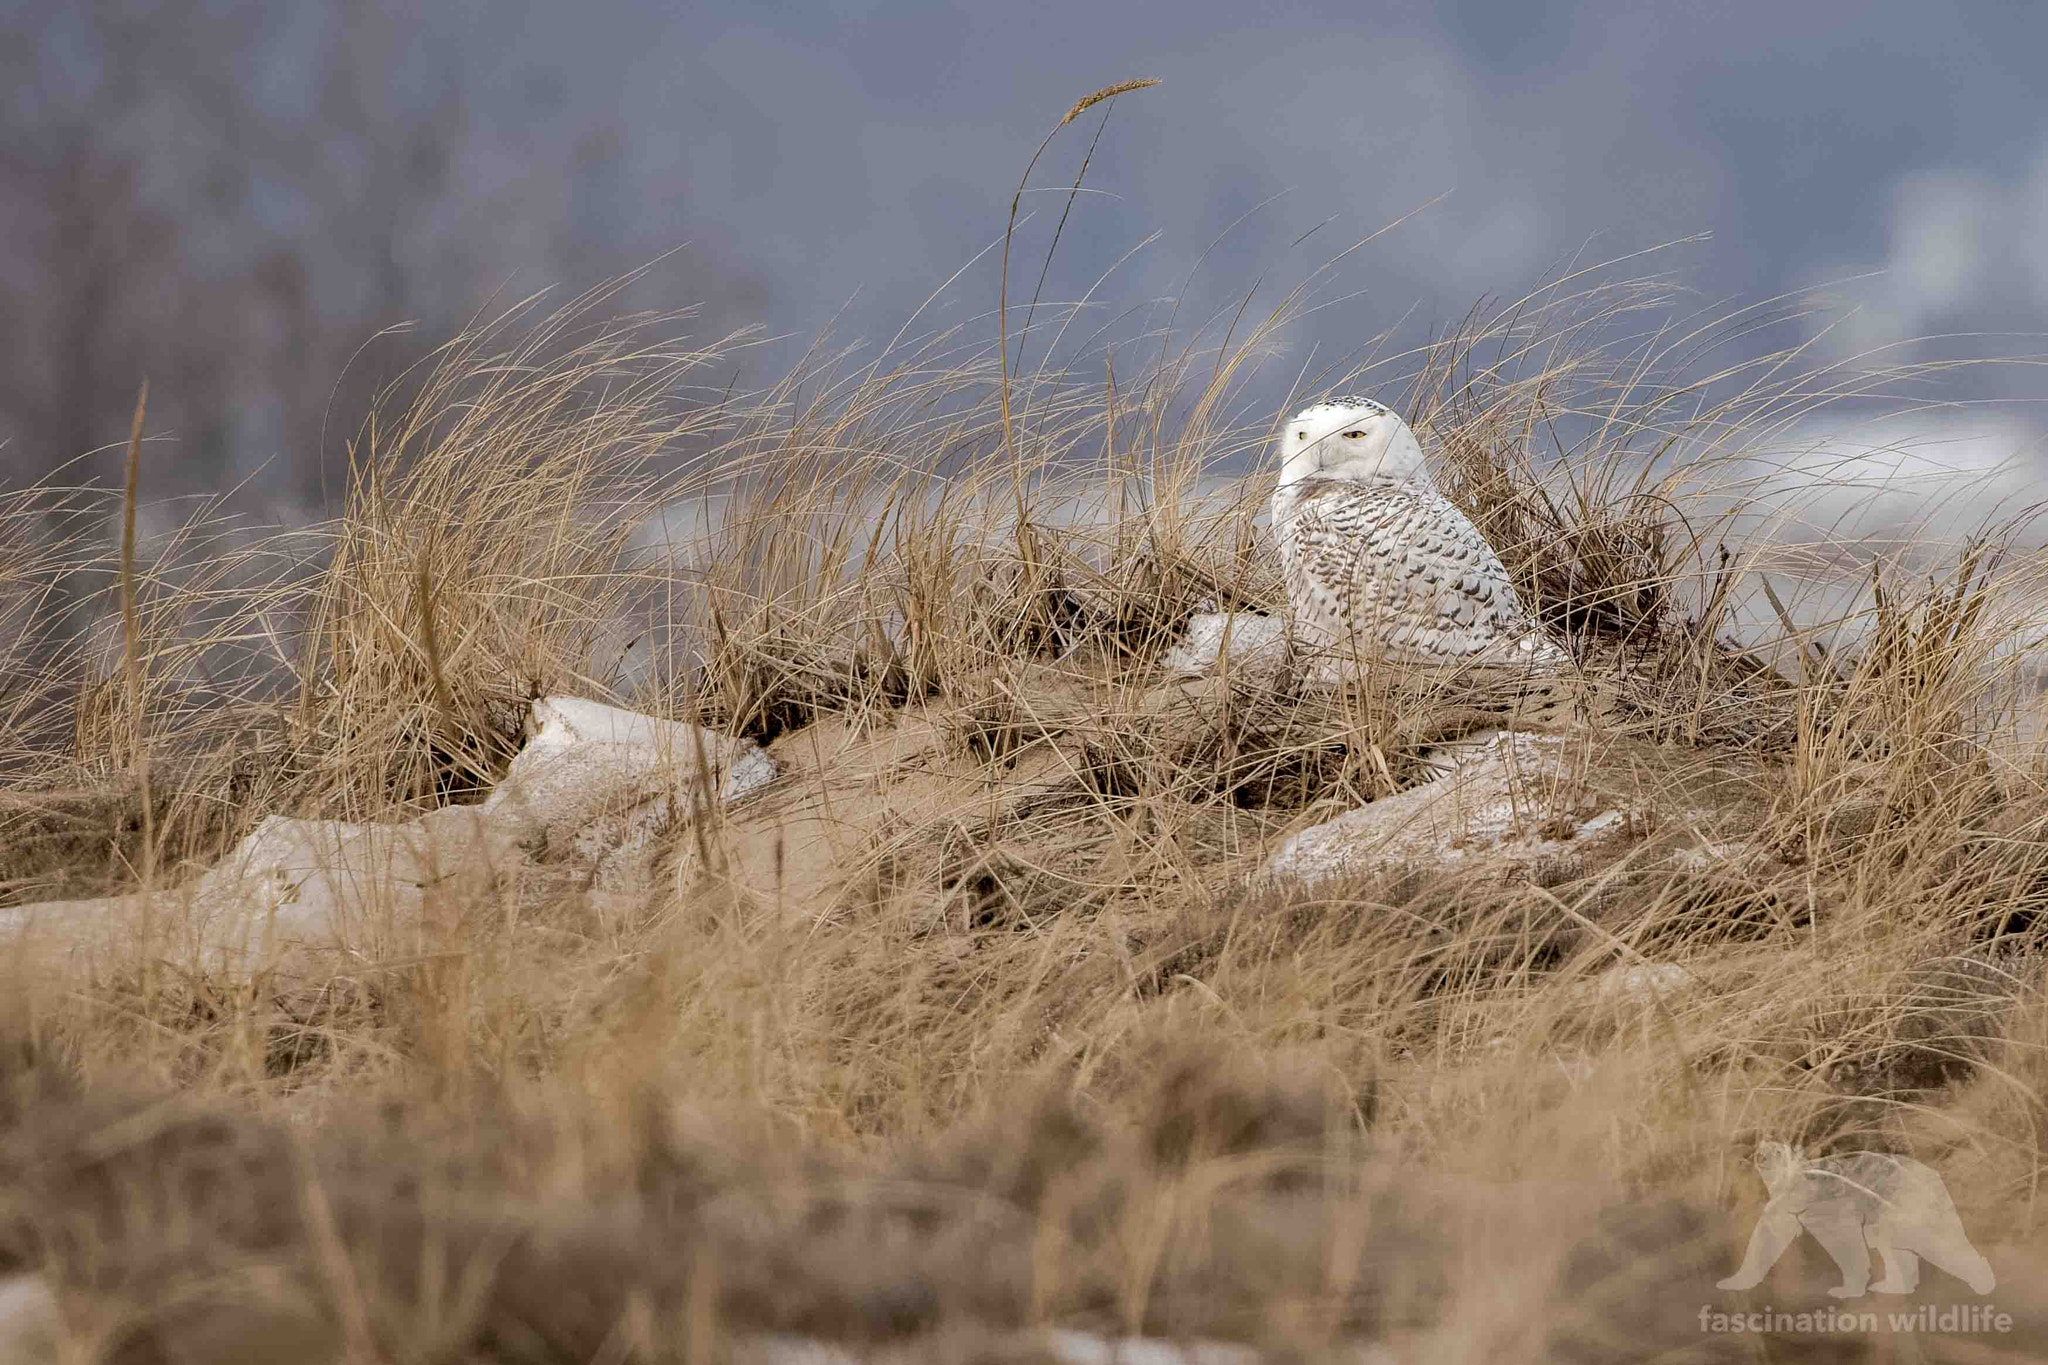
point(1052, 1053)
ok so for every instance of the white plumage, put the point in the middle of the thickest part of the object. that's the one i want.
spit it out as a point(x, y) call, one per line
point(1379, 564)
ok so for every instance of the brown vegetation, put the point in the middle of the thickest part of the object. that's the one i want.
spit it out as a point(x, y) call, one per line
point(984, 1018)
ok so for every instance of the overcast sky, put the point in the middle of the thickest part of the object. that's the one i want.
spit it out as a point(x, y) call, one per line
point(844, 159)
point(869, 149)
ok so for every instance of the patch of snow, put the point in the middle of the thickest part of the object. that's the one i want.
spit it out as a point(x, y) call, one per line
point(1486, 806)
point(1086, 1348)
point(596, 786)
point(30, 1326)
point(1641, 981)
point(559, 722)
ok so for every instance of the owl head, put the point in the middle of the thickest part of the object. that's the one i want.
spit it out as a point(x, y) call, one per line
point(1352, 440)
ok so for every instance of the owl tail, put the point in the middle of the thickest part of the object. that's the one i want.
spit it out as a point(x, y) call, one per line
point(1554, 698)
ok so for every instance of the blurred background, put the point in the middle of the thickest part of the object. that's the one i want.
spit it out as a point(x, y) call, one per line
point(240, 199)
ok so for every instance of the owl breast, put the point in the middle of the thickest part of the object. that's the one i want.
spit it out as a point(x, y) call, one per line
point(1400, 573)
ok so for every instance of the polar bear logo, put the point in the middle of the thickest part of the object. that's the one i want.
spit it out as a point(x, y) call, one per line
point(1854, 1204)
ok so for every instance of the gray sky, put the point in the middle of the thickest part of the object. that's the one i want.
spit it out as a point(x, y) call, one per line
point(845, 158)
point(872, 147)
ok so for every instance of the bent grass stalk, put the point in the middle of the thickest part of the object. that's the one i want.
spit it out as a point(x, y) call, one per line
point(993, 977)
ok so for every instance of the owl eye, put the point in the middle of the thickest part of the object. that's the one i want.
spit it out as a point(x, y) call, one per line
point(1354, 435)
point(1301, 436)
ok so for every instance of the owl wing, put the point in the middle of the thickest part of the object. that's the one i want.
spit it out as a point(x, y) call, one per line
point(1417, 577)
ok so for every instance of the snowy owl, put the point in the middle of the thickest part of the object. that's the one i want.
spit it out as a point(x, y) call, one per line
point(1381, 564)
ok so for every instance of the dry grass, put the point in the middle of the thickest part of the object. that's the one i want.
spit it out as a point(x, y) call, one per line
point(980, 1020)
